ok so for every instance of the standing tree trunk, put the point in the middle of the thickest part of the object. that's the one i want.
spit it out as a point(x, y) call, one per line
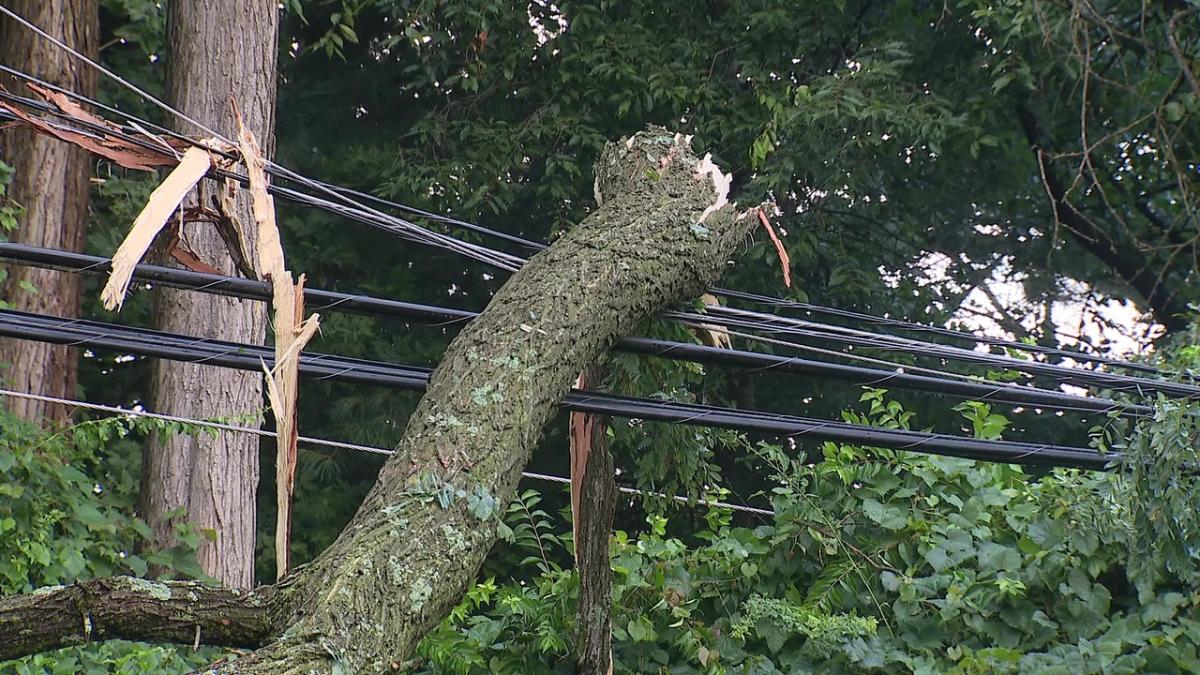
point(217, 49)
point(51, 183)
point(593, 503)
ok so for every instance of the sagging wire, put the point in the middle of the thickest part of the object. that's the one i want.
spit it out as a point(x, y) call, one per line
point(80, 333)
point(933, 381)
point(509, 262)
point(731, 317)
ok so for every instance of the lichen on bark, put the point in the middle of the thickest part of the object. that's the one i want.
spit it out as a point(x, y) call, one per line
point(661, 234)
point(653, 241)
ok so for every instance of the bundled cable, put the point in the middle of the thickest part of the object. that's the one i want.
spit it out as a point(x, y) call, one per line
point(320, 300)
point(141, 341)
point(719, 315)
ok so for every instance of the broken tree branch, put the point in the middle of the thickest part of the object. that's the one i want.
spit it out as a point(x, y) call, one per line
point(133, 609)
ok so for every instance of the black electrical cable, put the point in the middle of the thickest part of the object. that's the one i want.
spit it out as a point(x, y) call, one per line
point(320, 300)
point(505, 261)
point(83, 333)
point(732, 318)
point(78, 333)
point(939, 330)
point(251, 357)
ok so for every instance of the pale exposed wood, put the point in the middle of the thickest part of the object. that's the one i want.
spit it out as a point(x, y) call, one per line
point(292, 332)
point(163, 202)
point(712, 334)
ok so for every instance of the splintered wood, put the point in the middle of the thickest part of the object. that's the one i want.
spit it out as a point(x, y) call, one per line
point(163, 202)
point(292, 332)
point(709, 334)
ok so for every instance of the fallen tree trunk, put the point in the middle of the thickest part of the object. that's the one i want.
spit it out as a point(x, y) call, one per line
point(663, 233)
point(133, 609)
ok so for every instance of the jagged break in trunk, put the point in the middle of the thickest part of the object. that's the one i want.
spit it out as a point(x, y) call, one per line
point(593, 502)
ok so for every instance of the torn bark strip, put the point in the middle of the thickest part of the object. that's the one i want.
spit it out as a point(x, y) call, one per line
point(111, 148)
point(784, 261)
point(65, 104)
point(163, 202)
point(291, 334)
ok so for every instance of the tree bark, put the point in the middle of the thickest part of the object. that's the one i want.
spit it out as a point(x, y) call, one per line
point(132, 609)
point(593, 511)
point(218, 49)
point(662, 234)
point(51, 183)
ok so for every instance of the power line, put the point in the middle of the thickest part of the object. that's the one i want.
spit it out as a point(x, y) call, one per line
point(146, 342)
point(339, 445)
point(781, 325)
point(726, 316)
point(319, 300)
point(445, 242)
point(939, 330)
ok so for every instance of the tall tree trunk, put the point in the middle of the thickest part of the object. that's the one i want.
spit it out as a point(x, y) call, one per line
point(51, 183)
point(218, 49)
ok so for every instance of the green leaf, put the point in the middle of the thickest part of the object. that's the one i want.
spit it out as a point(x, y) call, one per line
point(889, 517)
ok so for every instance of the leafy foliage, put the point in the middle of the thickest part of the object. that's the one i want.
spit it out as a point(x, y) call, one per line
point(890, 135)
point(66, 505)
point(874, 561)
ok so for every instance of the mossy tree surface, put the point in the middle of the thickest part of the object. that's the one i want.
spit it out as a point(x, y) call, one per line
point(662, 233)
